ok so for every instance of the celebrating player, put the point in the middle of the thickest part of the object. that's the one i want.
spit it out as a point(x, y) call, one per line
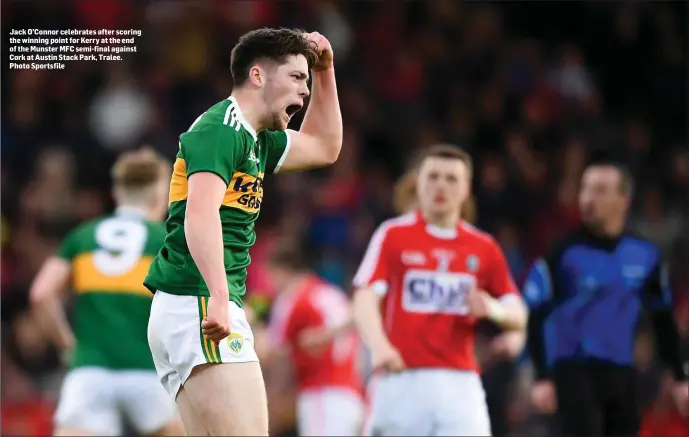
point(311, 320)
point(432, 276)
point(201, 342)
point(112, 369)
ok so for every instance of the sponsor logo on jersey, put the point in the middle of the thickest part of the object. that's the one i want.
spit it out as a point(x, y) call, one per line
point(433, 292)
point(252, 157)
point(235, 342)
point(413, 258)
point(245, 192)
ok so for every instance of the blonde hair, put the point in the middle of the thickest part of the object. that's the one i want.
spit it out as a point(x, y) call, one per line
point(404, 194)
point(139, 169)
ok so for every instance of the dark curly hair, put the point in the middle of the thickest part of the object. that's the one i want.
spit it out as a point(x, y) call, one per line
point(272, 44)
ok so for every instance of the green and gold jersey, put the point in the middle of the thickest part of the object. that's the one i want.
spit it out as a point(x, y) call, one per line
point(220, 141)
point(110, 257)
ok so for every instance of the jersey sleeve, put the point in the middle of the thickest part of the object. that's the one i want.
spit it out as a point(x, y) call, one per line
point(286, 324)
point(69, 248)
point(500, 283)
point(277, 144)
point(374, 269)
point(214, 149)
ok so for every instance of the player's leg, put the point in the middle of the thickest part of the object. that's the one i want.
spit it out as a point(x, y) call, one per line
point(192, 421)
point(400, 405)
point(461, 408)
point(621, 410)
point(579, 409)
point(215, 390)
point(148, 407)
point(223, 383)
point(87, 404)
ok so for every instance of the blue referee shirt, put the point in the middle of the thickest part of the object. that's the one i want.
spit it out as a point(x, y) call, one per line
point(586, 297)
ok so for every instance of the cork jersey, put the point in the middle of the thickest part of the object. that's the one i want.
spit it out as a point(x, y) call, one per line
point(110, 257)
point(423, 274)
point(313, 303)
point(222, 142)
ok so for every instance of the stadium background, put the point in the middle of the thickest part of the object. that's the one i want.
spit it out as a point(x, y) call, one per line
point(532, 89)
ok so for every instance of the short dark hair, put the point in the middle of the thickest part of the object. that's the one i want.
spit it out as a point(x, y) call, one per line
point(446, 151)
point(271, 44)
point(288, 257)
point(626, 179)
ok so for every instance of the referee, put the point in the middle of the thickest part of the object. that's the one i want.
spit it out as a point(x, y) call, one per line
point(586, 298)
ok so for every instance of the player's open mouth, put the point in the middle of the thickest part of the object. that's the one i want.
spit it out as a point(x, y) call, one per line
point(292, 109)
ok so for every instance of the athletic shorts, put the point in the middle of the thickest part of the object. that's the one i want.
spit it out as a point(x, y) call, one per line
point(99, 400)
point(177, 344)
point(427, 402)
point(329, 411)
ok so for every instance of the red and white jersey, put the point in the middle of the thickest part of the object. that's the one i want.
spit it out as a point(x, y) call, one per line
point(314, 303)
point(424, 273)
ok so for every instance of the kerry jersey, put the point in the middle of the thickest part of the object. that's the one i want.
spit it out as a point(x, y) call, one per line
point(424, 274)
point(110, 257)
point(222, 142)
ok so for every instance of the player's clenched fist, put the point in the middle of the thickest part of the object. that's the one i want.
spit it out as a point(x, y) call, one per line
point(216, 325)
point(386, 358)
point(323, 49)
point(478, 303)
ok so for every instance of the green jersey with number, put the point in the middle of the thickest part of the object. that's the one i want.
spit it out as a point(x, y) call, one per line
point(109, 258)
point(220, 141)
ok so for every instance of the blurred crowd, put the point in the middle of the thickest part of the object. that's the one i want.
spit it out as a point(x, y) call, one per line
point(532, 90)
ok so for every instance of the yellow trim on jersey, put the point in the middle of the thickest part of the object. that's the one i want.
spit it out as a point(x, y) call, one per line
point(245, 191)
point(87, 278)
point(179, 187)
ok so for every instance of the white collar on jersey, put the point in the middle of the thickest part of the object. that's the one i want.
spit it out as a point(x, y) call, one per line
point(131, 211)
point(440, 232)
point(241, 118)
point(437, 231)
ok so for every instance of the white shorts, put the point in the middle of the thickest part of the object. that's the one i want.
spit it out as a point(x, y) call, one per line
point(428, 402)
point(329, 411)
point(177, 344)
point(97, 400)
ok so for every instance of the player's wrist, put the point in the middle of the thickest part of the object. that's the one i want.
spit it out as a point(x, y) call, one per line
point(496, 311)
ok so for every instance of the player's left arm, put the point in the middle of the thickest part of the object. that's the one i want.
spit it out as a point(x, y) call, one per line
point(45, 293)
point(501, 302)
point(319, 140)
point(657, 299)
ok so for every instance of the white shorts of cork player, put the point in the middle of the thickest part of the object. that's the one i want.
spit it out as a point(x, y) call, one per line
point(98, 400)
point(427, 402)
point(329, 411)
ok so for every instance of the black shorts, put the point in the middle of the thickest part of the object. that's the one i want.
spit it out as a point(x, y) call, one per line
point(596, 398)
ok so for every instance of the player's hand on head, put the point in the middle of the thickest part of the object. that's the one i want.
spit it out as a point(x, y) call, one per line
point(216, 325)
point(323, 49)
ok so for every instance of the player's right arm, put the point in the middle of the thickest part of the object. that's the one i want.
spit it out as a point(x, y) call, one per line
point(210, 154)
point(49, 283)
point(539, 290)
point(371, 284)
